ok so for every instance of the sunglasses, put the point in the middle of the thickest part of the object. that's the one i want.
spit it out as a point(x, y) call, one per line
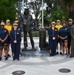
point(53, 23)
point(2, 25)
point(15, 25)
point(8, 22)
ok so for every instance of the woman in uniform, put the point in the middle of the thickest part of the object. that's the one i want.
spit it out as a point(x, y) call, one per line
point(15, 36)
point(3, 41)
point(53, 36)
point(19, 27)
point(63, 35)
point(9, 28)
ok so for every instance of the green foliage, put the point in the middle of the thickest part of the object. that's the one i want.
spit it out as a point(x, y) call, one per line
point(7, 9)
point(35, 6)
point(59, 11)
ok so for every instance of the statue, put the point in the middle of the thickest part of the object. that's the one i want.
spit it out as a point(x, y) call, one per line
point(27, 27)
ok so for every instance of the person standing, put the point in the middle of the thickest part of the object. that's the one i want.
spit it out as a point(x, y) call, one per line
point(63, 35)
point(3, 40)
point(69, 37)
point(53, 36)
point(9, 28)
point(58, 26)
point(72, 42)
point(15, 37)
point(19, 27)
point(20, 30)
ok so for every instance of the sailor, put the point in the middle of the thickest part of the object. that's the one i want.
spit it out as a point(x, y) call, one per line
point(3, 41)
point(58, 26)
point(15, 36)
point(9, 28)
point(53, 36)
point(63, 35)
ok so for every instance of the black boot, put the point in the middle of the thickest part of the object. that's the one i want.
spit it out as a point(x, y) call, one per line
point(71, 56)
point(61, 53)
point(9, 55)
point(0, 58)
point(57, 53)
point(6, 58)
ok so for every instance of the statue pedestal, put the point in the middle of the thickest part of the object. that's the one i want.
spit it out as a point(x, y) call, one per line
point(28, 49)
point(29, 52)
point(42, 40)
point(34, 52)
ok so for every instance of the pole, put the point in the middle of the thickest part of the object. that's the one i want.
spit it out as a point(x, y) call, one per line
point(42, 15)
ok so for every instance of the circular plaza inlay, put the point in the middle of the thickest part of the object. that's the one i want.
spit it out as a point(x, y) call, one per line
point(19, 72)
point(64, 70)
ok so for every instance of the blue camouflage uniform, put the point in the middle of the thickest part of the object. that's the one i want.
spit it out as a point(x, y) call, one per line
point(15, 35)
point(3, 34)
point(52, 43)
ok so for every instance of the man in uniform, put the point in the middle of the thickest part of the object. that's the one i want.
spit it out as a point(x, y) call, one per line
point(9, 28)
point(69, 37)
point(27, 25)
point(72, 42)
point(58, 26)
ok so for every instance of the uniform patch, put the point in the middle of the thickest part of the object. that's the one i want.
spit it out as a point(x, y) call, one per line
point(12, 54)
point(17, 33)
point(65, 40)
point(50, 51)
point(55, 29)
point(5, 44)
point(19, 29)
point(4, 30)
point(65, 28)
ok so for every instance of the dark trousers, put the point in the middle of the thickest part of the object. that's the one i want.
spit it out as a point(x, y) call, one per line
point(72, 47)
point(25, 37)
point(15, 50)
point(52, 44)
point(69, 43)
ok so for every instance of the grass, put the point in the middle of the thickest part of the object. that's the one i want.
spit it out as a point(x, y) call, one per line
point(34, 34)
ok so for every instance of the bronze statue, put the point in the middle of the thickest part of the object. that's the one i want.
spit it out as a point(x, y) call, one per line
point(27, 27)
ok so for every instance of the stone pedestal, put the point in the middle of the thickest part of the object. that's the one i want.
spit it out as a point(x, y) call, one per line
point(42, 40)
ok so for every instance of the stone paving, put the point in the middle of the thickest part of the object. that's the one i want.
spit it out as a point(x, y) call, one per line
point(40, 64)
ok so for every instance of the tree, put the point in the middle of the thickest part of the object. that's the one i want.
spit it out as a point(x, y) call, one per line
point(35, 6)
point(59, 11)
point(69, 4)
point(7, 9)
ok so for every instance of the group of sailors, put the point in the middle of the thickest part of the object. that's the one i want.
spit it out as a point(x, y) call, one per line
point(61, 34)
point(10, 34)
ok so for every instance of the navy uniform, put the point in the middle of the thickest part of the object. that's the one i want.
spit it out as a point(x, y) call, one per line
point(15, 35)
point(19, 27)
point(64, 32)
point(3, 40)
point(3, 34)
point(53, 33)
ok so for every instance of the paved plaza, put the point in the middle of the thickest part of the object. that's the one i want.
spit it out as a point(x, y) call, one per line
point(37, 63)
